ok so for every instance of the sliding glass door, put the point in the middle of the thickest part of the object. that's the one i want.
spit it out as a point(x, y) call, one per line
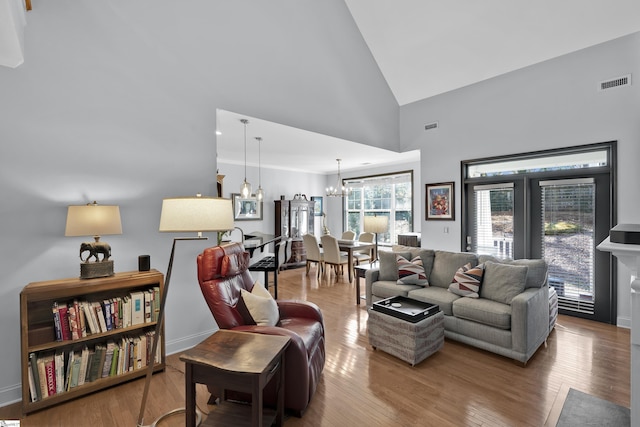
point(559, 213)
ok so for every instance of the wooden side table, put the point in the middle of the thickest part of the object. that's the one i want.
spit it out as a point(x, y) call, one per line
point(239, 361)
point(360, 271)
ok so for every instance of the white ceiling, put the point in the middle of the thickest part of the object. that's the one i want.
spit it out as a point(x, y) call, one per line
point(428, 47)
point(285, 147)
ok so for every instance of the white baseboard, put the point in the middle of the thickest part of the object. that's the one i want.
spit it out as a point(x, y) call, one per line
point(623, 322)
point(184, 343)
point(11, 394)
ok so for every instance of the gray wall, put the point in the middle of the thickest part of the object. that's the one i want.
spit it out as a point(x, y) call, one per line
point(116, 102)
point(552, 104)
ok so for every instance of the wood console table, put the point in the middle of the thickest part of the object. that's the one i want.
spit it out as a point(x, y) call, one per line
point(239, 361)
point(629, 255)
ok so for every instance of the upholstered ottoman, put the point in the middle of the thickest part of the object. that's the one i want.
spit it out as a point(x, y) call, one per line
point(411, 342)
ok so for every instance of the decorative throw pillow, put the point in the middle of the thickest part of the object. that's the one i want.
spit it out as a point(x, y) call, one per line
point(467, 281)
point(262, 307)
point(411, 272)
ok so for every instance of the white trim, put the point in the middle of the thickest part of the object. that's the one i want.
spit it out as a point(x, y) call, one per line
point(575, 181)
point(501, 186)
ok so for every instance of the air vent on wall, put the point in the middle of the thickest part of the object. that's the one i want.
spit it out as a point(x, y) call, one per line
point(616, 82)
point(430, 126)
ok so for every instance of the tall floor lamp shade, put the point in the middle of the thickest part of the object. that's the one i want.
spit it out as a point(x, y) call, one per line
point(185, 214)
point(377, 225)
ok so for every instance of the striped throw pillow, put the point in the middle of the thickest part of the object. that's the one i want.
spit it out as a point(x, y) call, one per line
point(467, 281)
point(411, 272)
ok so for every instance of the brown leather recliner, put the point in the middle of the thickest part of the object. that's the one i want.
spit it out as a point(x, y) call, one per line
point(222, 272)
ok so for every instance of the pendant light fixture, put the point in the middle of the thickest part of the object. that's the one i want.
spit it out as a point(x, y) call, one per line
point(259, 191)
point(339, 190)
point(245, 188)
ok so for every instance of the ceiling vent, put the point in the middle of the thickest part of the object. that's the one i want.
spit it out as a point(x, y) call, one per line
point(616, 82)
point(430, 126)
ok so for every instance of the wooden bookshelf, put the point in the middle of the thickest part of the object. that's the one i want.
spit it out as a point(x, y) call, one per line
point(38, 330)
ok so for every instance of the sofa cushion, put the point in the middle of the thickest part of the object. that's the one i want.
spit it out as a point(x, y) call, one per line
point(411, 272)
point(502, 282)
point(433, 295)
point(390, 288)
point(467, 281)
point(388, 265)
point(445, 265)
point(537, 269)
point(483, 311)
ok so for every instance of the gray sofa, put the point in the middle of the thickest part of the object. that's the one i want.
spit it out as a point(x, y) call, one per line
point(511, 315)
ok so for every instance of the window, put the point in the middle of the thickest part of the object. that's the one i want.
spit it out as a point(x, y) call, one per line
point(389, 195)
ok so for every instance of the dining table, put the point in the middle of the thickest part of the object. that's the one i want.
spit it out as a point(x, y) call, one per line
point(351, 246)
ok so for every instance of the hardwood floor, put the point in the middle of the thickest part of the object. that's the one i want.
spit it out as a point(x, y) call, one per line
point(457, 386)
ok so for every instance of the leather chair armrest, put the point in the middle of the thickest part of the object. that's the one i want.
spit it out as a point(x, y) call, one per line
point(272, 330)
point(305, 309)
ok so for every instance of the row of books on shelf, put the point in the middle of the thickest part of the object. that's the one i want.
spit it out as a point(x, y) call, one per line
point(77, 319)
point(51, 373)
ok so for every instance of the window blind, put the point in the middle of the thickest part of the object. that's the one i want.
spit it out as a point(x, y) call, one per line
point(494, 220)
point(568, 228)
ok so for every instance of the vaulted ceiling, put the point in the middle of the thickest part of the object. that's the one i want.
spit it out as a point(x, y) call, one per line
point(428, 47)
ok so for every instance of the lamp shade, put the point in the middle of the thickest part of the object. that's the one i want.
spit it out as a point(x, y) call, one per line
point(93, 220)
point(376, 224)
point(196, 214)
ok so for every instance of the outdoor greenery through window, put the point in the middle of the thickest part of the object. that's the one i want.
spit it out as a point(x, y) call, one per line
point(389, 195)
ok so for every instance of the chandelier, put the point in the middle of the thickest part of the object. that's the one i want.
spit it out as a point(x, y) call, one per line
point(259, 191)
point(339, 190)
point(245, 188)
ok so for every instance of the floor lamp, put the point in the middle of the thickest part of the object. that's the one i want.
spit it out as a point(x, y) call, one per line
point(185, 214)
point(377, 225)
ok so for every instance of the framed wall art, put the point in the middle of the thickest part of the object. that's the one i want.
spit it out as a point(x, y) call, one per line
point(246, 209)
point(440, 200)
point(317, 208)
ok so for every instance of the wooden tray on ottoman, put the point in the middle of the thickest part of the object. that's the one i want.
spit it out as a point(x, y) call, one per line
point(406, 308)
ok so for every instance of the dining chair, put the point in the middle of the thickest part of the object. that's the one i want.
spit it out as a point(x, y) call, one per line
point(348, 235)
point(314, 252)
point(332, 254)
point(363, 255)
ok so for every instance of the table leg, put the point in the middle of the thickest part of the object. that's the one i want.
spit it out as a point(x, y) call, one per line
point(357, 277)
point(190, 393)
point(275, 284)
point(256, 404)
point(350, 263)
point(280, 403)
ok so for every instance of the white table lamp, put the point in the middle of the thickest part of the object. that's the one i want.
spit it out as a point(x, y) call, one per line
point(377, 225)
point(94, 220)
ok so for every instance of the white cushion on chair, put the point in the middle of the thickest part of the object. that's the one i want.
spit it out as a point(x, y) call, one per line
point(261, 305)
